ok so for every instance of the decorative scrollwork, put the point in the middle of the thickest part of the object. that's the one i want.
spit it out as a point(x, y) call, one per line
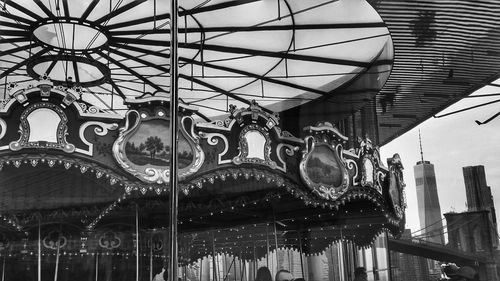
point(55, 239)
point(3, 128)
point(396, 184)
point(109, 240)
point(101, 129)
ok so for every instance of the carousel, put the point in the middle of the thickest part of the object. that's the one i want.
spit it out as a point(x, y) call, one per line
point(215, 140)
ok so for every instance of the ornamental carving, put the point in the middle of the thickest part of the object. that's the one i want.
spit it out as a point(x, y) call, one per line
point(371, 174)
point(109, 240)
point(143, 148)
point(255, 147)
point(55, 240)
point(50, 136)
point(396, 184)
point(323, 168)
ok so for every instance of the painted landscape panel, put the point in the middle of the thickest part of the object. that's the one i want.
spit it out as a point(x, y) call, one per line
point(149, 145)
point(322, 167)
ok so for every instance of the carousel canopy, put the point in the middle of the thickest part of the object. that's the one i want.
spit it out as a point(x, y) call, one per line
point(323, 60)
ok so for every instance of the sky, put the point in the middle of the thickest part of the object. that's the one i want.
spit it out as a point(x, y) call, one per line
point(450, 143)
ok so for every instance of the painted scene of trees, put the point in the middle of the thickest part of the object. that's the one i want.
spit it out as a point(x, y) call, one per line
point(149, 145)
point(322, 167)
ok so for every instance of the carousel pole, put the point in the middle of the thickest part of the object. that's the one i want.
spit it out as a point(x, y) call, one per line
point(96, 266)
point(56, 270)
point(3, 269)
point(39, 265)
point(214, 262)
point(276, 242)
point(300, 252)
point(267, 244)
point(136, 243)
point(151, 257)
point(173, 200)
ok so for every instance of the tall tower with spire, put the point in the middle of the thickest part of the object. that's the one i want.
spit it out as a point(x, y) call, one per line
point(429, 210)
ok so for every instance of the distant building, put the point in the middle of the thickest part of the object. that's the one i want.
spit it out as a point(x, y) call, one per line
point(475, 231)
point(479, 195)
point(408, 267)
point(429, 210)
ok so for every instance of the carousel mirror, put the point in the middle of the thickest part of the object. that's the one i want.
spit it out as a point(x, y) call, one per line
point(256, 144)
point(368, 179)
point(43, 124)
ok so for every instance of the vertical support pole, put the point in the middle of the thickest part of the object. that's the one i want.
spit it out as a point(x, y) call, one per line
point(173, 200)
point(58, 252)
point(300, 252)
point(267, 244)
point(39, 265)
point(389, 263)
point(375, 121)
point(276, 242)
point(214, 257)
point(201, 269)
point(136, 243)
point(151, 257)
point(3, 269)
point(96, 266)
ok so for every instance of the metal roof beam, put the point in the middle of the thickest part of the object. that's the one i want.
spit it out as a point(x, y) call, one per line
point(14, 25)
point(139, 50)
point(89, 9)
point(44, 9)
point(147, 63)
point(253, 75)
point(138, 41)
point(118, 11)
point(126, 68)
point(22, 9)
point(117, 89)
point(137, 21)
point(12, 40)
point(18, 49)
point(16, 18)
point(219, 6)
point(254, 28)
point(66, 8)
point(290, 56)
point(220, 90)
point(15, 67)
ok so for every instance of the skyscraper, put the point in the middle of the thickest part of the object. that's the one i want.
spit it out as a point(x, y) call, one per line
point(429, 211)
point(479, 196)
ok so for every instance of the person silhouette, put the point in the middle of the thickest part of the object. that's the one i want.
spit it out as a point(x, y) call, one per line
point(263, 274)
point(360, 274)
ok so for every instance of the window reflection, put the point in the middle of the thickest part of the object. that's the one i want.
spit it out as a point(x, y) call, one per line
point(86, 259)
